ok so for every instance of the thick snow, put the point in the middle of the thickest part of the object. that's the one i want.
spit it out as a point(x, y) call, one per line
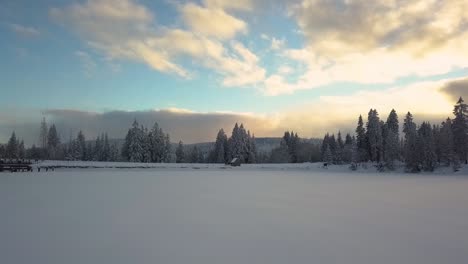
point(196, 214)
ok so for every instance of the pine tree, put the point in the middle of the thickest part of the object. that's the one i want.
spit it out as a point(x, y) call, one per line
point(252, 156)
point(339, 152)
point(460, 130)
point(235, 143)
point(133, 149)
point(180, 154)
point(411, 151)
point(426, 147)
point(80, 146)
point(445, 142)
point(167, 149)
point(12, 147)
point(21, 150)
point(220, 148)
point(328, 156)
point(374, 136)
point(361, 141)
point(2, 152)
point(53, 142)
point(392, 140)
point(43, 134)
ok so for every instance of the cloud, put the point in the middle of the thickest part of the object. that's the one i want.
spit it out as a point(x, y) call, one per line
point(456, 89)
point(342, 27)
point(213, 22)
point(24, 31)
point(88, 64)
point(119, 29)
point(124, 29)
point(229, 4)
point(427, 101)
point(181, 124)
point(374, 42)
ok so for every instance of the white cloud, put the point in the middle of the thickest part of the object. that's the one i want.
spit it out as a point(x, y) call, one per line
point(374, 42)
point(230, 4)
point(24, 31)
point(87, 62)
point(124, 29)
point(213, 22)
point(277, 44)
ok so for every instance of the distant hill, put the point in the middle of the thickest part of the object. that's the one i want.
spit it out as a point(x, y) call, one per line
point(264, 144)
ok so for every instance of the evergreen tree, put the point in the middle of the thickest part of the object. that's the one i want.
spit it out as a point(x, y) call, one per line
point(392, 140)
point(12, 147)
point(339, 152)
point(328, 156)
point(252, 155)
point(426, 147)
point(235, 143)
point(2, 152)
point(133, 149)
point(460, 130)
point(53, 142)
point(80, 150)
point(411, 151)
point(374, 136)
point(43, 134)
point(180, 154)
point(21, 150)
point(361, 141)
point(445, 142)
point(220, 151)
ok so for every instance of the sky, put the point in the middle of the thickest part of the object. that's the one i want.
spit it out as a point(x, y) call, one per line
point(311, 66)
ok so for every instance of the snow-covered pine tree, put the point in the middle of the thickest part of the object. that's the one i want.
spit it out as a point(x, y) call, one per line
point(347, 149)
point(427, 147)
point(167, 149)
point(445, 143)
point(43, 134)
point(12, 147)
point(252, 158)
point(133, 149)
point(80, 150)
point(324, 145)
point(460, 130)
point(21, 150)
point(361, 141)
point(219, 151)
point(328, 156)
point(411, 151)
point(339, 152)
point(53, 142)
point(392, 140)
point(374, 136)
point(235, 143)
point(180, 154)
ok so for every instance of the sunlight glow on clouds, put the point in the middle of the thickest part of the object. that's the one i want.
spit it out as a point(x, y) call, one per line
point(375, 41)
point(345, 41)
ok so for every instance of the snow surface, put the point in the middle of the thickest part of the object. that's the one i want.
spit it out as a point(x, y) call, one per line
point(207, 214)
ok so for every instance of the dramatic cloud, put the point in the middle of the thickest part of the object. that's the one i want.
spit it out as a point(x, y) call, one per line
point(124, 29)
point(24, 31)
point(119, 29)
point(456, 89)
point(374, 42)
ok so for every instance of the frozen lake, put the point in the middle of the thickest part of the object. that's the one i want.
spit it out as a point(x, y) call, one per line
point(216, 216)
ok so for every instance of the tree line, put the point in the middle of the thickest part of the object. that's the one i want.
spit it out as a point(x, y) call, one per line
point(421, 148)
point(418, 147)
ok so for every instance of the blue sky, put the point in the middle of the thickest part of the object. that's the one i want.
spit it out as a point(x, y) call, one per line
point(282, 62)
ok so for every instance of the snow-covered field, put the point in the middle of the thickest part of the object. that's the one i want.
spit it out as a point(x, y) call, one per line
point(253, 214)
